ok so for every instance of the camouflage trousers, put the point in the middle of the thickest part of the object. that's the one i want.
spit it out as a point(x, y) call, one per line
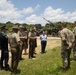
point(74, 49)
point(66, 58)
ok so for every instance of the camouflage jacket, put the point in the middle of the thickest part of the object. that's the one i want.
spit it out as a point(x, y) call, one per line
point(67, 37)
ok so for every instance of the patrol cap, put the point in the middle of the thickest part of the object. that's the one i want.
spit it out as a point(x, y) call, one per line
point(4, 27)
point(32, 29)
point(64, 24)
point(15, 27)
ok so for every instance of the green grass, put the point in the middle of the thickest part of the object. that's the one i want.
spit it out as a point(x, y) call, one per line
point(44, 64)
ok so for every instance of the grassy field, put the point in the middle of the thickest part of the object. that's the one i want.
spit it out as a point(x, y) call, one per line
point(44, 64)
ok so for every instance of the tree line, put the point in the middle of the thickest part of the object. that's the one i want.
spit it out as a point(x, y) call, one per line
point(38, 26)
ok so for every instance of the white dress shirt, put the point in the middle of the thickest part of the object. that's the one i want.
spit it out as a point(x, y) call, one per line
point(43, 37)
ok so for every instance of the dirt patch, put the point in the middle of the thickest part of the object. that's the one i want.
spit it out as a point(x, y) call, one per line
point(52, 42)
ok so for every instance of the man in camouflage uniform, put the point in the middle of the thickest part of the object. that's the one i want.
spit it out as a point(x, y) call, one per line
point(35, 40)
point(67, 40)
point(32, 37)
point(22, 39)
point(74, 44)
point(14, 42)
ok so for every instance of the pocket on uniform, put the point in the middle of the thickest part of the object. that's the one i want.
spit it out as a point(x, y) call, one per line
point(13, 50)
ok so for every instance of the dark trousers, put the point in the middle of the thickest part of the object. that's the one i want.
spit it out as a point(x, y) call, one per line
point(15, 59)
point(31, 48)
point(4, 57)
point(20, 53)
point(43, 46)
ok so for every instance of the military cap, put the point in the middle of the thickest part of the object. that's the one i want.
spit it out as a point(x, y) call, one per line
point(64, 24)
point(15, 27)
point(4, 27)
point(32, 29)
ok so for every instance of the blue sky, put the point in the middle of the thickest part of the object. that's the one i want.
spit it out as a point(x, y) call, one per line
point(32, 11)
point(67, 5)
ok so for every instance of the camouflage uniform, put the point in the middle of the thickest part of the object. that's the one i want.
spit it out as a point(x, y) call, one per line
point(67, 39)
point(14, 44)
point(22, 43)
point(32, 37)
point(22, 39)
point(74, 44)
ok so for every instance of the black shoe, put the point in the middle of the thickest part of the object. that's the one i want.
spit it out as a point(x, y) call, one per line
point(34, 57)
point(42, 52)
point(30, 57)
point(21, 58)
point(7, 69)
point(1, 68)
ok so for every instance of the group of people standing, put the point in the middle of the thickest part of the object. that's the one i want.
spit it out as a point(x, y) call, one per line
point(19, 39)
point(16, 41)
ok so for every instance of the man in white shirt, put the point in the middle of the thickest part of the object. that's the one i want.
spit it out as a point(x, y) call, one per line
point(43, 38)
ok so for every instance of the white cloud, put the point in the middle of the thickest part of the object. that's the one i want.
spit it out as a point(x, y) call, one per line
point(50, 12)
point(56, 15)
point(53, 15)
point(34, 19)
point(28, 10)
point(8, 12)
